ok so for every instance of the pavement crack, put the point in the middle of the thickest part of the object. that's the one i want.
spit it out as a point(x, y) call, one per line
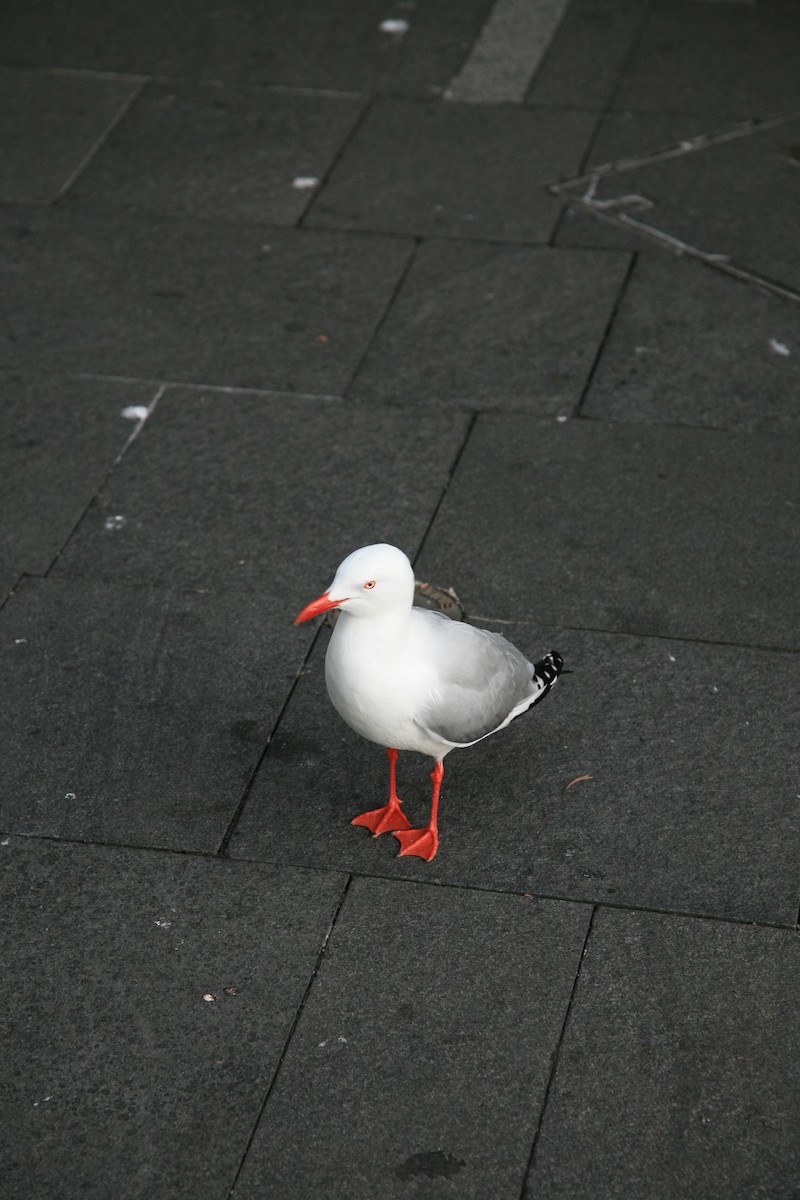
point(293, 1027)
point(526, 1193)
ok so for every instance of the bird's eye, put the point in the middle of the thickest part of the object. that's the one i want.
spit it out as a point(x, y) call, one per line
point(369, 584)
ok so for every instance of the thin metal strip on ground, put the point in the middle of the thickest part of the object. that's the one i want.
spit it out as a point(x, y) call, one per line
point(604, 209)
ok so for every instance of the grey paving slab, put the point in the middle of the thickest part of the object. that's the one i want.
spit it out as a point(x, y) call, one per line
point(715, 58)
point(190, 301)
point(460, 170)
point(49, 123)
point(689, 804)
point(677, 1073)
point(398, 1083)
point(668, 531)
point(230, 153)
point(310, 43)
point(693, 346)
point(266, 493)
point(592, 45)
point(119, 1078)
point(494, 326)
point(715, 198)
point(137, 714)
point(59, 438)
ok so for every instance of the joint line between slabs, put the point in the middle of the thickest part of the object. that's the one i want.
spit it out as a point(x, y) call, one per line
point(525, 1193)
point(629, 58)
point(333, 164)
point(222, 852)
point(606, 333)
point(347, 393)
point(293, 1027)
point(547, 897)
point(104, 483)
point(103, 138)
point(450, 474)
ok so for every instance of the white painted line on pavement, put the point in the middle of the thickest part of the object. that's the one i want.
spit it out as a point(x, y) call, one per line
point(508, 52)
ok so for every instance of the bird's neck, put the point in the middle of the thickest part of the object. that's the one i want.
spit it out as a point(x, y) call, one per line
point(384, 633)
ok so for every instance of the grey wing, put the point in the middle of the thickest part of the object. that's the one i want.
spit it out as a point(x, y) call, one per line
point(482, 678)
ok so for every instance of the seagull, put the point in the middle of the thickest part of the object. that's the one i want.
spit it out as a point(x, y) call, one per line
point(411, 679)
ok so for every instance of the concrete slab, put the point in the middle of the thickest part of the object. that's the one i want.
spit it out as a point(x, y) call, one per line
point(310, 43)
point(591, 47)
point(458, 170)
point(390, 1087)
point(505, 57)
point(120, 1078)
point(689, 804)
point(163, 298)
point(715, 58)
point(494, 326)
point(137, 715)
point(677, 1074)
point(692, 346)
point(59, 438)
point(49, 124)
point(229, 153)
point(267, 493)
point(665, 531)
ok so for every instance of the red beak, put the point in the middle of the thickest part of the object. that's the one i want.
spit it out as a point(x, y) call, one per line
point(320, 605)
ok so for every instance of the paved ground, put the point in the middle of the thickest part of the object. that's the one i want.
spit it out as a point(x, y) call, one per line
point(516, 287)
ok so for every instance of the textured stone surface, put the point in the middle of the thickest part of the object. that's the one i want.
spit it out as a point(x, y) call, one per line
point(701, 58)
point(690, 804)
point(391, 1086)
point(450, 173)
point(228, 153)
point(309, 43)
point(119, 1078)
point(693, 346)
point(494, 327)
point(169, 299)
point(591, 47)
point(271, 492)
point(49, 123)
point(59, 438)
point(629, 528)
point(137, 715)
point(677, 1073)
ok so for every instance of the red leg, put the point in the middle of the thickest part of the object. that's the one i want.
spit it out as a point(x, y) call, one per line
point(424, 842)
point(391, 816)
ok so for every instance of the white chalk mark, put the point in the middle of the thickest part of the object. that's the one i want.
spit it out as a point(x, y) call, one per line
point(70, 796)
point(115, 522)
point(139, 413)
point(20, 641)
point(304, 182)
point(508, 53)
point(779, 347)
point(162, 923)
point(5, 842)
point(395, 25)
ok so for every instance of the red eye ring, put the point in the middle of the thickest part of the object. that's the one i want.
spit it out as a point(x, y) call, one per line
point(369, 584)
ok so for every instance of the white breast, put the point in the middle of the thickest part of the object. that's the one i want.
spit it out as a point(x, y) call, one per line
point(377, 684)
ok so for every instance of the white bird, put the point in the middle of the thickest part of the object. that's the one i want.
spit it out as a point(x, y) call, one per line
point(411, 679)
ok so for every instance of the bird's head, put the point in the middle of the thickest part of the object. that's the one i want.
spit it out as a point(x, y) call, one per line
point(371, 582)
